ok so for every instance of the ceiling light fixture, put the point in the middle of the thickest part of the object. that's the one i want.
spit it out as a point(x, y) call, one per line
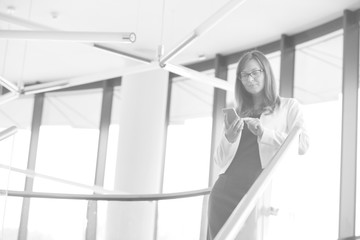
point(162, 59)
point(127, 37)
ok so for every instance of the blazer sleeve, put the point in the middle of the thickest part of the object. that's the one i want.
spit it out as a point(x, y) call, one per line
point(294, 117)
point(223, 153)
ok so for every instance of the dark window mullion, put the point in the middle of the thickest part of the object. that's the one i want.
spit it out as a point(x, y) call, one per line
point(287, 67)
point(349, 125)
point(29, 182)
point(219, 102)
point(105, 120)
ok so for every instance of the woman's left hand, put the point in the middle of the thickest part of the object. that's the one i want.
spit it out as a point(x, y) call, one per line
point(254, 126)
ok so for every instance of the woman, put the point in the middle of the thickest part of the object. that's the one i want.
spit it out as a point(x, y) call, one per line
point(250, 141)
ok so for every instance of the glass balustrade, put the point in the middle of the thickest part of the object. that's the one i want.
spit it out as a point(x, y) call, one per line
point(269, 210)
point(63, 217)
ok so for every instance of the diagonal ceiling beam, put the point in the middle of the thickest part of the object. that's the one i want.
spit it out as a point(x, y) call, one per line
point(9, 85)
point(203, 28)
point(124, 54)
point(198, 76)
point(76, 81)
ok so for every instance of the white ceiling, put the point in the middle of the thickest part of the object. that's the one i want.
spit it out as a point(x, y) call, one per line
point(155, 22)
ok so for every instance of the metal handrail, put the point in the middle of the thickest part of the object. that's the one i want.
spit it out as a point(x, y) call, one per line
point(350, 238)
point(243, 210)
point(8, 132)
point(101, 197)
point(33, 174)
point(108, 197)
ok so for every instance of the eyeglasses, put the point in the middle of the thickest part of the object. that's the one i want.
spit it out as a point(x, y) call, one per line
point(254, 74)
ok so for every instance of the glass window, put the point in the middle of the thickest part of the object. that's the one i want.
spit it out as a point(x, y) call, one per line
point(14, 153)
point(113, 140)
point(274, 59)
point(231, 78)
point(111, 159)
point(318, 86)
point(187, 159)
point(67, 150)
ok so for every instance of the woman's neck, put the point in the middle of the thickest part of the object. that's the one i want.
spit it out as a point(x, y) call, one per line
point(258, 100)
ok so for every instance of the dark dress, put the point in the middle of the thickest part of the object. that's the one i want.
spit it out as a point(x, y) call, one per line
point(234, 183)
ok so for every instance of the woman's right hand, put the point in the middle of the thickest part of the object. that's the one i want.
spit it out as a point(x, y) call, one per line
point(233, 130)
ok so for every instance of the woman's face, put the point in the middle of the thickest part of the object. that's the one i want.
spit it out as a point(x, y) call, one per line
point(252, 77)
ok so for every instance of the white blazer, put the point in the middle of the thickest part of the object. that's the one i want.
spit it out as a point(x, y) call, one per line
point(277, 126)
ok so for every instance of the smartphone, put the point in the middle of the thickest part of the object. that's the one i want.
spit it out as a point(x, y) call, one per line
point(231, 114)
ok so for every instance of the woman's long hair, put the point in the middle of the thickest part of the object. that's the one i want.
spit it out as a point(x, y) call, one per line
point(244, 99)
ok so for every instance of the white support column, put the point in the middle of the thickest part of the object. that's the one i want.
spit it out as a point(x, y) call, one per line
point(140, 154)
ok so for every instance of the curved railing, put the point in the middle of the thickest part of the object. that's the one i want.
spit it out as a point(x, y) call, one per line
point(243, 210)
point(109, 197)
point(100, 193)
point(95, 199)
point(33, 174)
